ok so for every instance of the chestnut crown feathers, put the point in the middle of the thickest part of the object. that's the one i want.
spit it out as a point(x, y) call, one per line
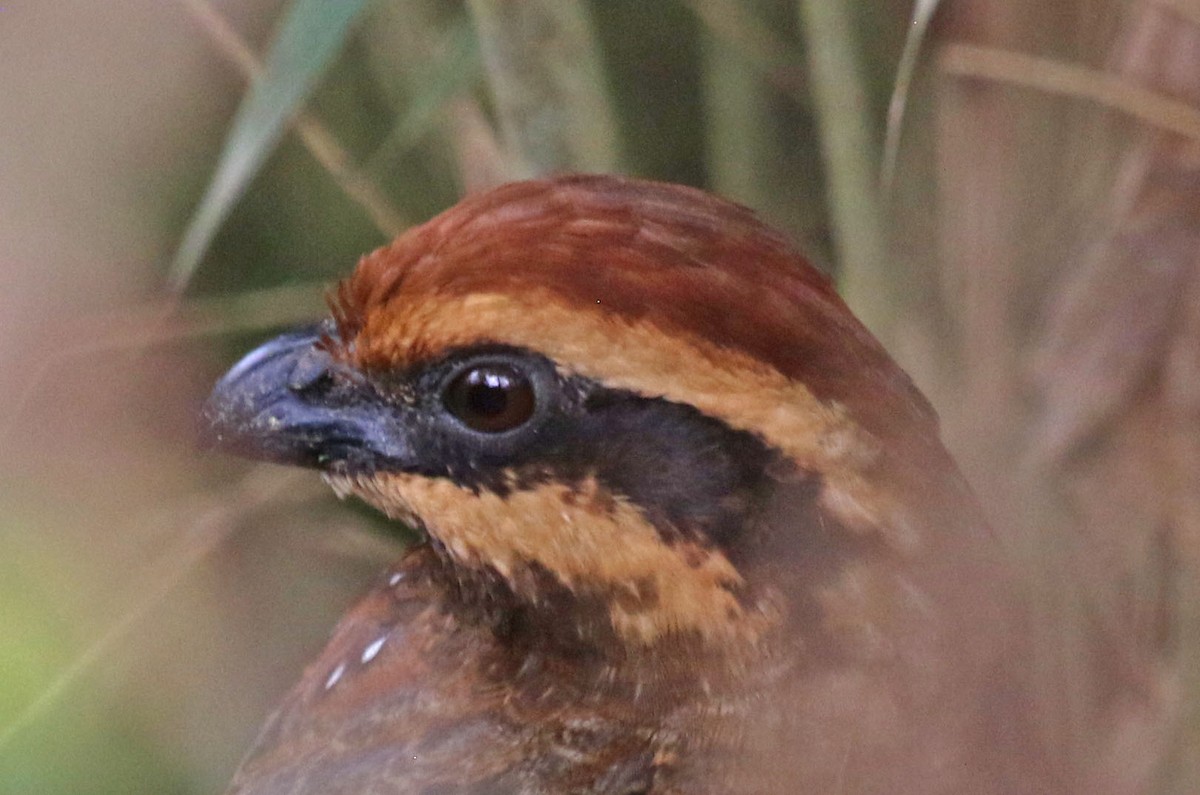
point(632, 251)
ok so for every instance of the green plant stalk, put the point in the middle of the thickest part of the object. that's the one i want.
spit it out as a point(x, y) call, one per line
point(851, 155)
point(738, 124)
point(547, 82)
point(734, 23)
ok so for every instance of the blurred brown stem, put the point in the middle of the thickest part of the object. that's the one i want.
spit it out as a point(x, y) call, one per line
point(1054, 77)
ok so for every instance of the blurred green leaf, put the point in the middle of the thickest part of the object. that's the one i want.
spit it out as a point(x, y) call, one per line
point(548, 84)
point(738, 130)
point(312, 34)
point(83, 744)
point(851, 156)
point(450, 76)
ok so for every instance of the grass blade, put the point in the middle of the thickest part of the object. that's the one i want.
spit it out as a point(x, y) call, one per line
point(545, 71)
point(311, 35)
point(737, 124)
point(851, 155)
point(452, 76)
point(922, 15)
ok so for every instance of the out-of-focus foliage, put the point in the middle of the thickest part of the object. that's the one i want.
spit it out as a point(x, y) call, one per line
point(1032, 263)
point(310, 36)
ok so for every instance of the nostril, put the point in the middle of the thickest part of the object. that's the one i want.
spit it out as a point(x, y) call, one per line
point(311, 374)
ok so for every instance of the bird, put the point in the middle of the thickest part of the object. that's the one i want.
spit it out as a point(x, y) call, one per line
point(686, 527)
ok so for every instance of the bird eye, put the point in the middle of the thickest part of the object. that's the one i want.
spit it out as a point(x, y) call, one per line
point(491, 398)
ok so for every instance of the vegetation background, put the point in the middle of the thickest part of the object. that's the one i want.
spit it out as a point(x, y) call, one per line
point(1008, 194)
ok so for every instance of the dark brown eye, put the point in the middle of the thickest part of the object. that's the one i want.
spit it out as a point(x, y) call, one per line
point(491, 398)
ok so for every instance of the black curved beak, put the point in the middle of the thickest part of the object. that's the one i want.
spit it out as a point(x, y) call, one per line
point(289, 401)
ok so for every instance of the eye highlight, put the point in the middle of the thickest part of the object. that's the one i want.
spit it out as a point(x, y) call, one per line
point(490, 398)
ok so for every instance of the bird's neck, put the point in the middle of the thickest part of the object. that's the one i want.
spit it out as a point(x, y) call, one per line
point(545, 620)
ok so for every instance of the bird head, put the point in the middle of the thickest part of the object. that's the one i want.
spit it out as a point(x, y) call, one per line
point(624, 394)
